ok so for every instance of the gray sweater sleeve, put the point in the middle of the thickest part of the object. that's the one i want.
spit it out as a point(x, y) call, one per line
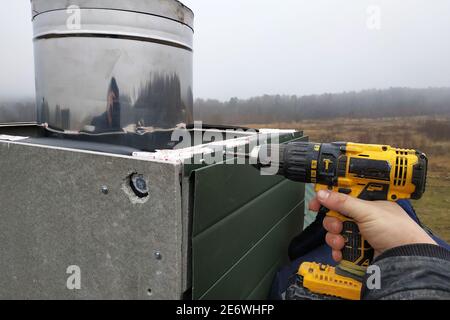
point(414, 272)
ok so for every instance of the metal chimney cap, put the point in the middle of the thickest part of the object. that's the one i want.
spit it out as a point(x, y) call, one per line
point(170, 9)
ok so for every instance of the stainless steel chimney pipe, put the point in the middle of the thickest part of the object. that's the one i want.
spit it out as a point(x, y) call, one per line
point(113, 65)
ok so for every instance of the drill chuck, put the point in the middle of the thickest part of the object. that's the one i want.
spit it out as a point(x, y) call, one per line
point(300, 161)
point(291, 161)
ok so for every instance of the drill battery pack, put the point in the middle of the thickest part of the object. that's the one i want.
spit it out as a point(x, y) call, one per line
point(321, 282)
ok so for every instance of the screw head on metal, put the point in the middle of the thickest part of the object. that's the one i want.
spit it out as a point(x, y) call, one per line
point(139, 185)
point(105, 190)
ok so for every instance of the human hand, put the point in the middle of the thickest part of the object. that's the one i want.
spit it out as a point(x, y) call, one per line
point(385, 225)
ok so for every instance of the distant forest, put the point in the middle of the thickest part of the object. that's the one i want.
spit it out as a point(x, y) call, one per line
point(394, 102)
point(17, 110)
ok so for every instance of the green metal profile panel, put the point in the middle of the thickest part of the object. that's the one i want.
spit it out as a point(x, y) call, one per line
point(252, 276)
point(212, 186)
point(242, 225)
point(261, 290)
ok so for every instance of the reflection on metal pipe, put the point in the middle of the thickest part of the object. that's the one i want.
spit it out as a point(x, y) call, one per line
point(127, 68)
point(110, 119)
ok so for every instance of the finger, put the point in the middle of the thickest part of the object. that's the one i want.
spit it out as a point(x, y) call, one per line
point(333, 225)
point(344, 204)
point(336, 242)
point(337, 255)
point(314, 205)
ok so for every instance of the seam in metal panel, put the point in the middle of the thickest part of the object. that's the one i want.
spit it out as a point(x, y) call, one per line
point(251, 249)
point(111, 9)
point(113, 36)
point(238, 210)
point(230, 213)
point(271, 269)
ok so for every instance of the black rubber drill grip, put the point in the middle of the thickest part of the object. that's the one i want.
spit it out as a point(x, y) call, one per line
point(356, 250)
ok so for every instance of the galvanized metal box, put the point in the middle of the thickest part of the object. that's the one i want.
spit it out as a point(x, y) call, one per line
point(203, 232)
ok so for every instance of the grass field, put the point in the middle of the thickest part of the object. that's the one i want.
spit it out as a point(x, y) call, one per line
point(430, 135)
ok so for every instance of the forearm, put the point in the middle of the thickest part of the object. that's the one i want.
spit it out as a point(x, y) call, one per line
point(412, 272)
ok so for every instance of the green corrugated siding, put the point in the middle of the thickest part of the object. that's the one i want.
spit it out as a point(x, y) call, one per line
point(253, 274)
point(242, 225)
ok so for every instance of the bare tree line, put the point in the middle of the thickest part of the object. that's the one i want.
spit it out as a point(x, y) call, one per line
point(19, 110)
point(394, 102)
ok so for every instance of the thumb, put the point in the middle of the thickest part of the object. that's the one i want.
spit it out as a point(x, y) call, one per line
point(353, 208)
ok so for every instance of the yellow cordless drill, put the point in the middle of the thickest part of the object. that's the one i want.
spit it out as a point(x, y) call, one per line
point(368, 172)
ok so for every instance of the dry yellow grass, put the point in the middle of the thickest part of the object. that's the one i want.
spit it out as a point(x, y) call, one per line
point(413, 132)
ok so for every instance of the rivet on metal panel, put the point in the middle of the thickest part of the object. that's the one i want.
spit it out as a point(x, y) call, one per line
point(105, 190)
point(158, 255)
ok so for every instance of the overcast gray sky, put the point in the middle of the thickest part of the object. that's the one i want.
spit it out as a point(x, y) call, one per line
point(246, 48)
